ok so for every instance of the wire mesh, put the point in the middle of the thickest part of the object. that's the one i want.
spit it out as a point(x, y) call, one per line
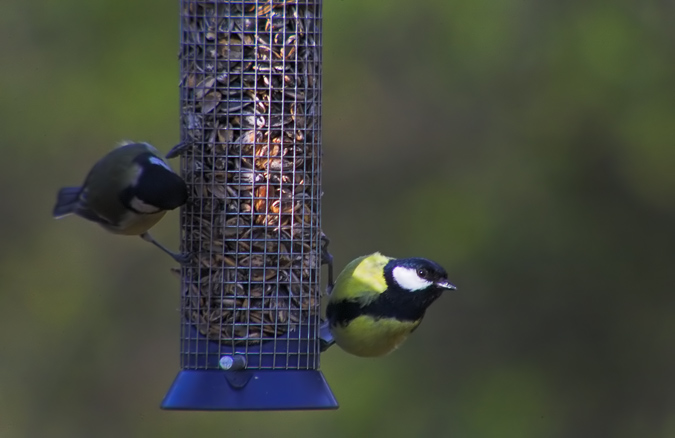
point(250, 109)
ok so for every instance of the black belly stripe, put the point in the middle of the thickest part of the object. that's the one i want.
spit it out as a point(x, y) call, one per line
point(345, 311)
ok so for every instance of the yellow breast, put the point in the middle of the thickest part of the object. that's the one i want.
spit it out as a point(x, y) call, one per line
point(136, 224)
point(368, 337)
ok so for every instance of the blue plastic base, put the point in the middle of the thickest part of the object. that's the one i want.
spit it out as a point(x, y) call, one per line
point(249, 390)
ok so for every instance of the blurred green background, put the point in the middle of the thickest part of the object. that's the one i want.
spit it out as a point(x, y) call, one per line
point(527, 146)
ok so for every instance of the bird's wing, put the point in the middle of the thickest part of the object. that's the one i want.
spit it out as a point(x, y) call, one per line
point(362, 280)
point(84, 211)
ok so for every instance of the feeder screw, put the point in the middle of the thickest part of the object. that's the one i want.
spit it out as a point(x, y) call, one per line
point(232, 363)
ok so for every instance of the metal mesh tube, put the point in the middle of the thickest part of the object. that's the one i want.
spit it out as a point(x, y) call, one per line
point(250, 109)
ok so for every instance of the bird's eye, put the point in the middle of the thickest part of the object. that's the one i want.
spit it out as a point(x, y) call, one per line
point(423, 273)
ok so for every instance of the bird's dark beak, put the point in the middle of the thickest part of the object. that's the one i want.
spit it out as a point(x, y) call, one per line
point(445, 285)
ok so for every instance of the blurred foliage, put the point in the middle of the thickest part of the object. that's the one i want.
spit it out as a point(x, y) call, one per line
point(527, 146)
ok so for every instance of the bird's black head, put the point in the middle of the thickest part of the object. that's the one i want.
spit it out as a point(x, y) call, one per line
point(156, 185)
point(416, 274)
point(415, 282)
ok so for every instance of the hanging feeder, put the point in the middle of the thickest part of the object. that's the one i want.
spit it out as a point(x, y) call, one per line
point(251, 121)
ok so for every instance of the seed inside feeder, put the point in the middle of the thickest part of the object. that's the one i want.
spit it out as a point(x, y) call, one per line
point(250, 96)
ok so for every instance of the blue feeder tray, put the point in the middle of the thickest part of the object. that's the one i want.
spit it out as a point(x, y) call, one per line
point(249, 390)
point(275, 379)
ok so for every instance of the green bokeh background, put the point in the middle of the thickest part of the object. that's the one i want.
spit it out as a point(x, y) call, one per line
point(528, 146)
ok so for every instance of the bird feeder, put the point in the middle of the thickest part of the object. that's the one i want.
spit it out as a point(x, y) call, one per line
point(250, 96)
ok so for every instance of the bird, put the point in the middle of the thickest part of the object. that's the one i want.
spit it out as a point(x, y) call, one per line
point(378, 301)
point(127, 192)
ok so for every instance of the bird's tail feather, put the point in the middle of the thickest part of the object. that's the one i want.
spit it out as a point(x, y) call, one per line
point(66, 201)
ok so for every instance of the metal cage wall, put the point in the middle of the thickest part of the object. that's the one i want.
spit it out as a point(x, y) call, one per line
point(250, 96)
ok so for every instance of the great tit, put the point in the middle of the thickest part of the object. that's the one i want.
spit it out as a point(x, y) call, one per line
point(378, 301)
point(126, 192)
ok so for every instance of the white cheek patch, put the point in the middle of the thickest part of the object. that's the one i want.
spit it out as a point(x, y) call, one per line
point(159, 162)
point(408, 279)
point(142, 207)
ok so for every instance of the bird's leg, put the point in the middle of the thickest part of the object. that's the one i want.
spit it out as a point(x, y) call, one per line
point(326, 339)
point(327, 259)
point(180, 258)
